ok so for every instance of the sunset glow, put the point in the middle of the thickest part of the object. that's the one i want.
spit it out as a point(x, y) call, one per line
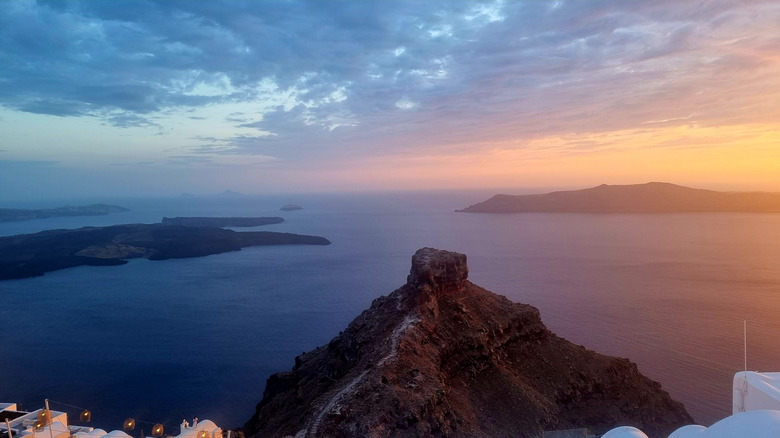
point(112, 98)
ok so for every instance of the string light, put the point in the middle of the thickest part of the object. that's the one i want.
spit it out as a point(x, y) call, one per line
point(44, 417)
point(129, 424)
point(85, 416)
point(158, 430)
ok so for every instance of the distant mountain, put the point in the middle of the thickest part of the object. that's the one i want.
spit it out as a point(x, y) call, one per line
point(653, 197)
point(230, 194)
point(226, 194)
point(221, 222)
point(17, 214)
point(291, 207)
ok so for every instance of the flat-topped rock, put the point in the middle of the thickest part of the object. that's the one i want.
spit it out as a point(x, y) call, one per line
point(441, 356)
point(442, 272)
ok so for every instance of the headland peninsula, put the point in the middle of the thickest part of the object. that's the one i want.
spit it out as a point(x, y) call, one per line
point(30, 255)
point(653, 197)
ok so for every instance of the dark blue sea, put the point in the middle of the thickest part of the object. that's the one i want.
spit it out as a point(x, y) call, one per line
point(165, 340)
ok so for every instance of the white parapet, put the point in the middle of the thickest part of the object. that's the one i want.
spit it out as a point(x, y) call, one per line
point(755, 391)
point(750, 424)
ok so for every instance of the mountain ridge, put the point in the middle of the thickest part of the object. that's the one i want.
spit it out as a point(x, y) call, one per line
point(652, 197)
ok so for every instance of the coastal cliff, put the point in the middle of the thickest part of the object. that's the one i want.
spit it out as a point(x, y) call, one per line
point(441, 356)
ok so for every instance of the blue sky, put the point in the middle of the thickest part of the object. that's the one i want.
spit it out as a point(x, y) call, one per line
point(113, 98)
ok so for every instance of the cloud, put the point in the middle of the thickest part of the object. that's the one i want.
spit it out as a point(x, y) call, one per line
point(130, 120)
point(52, 107)
point(338, 78)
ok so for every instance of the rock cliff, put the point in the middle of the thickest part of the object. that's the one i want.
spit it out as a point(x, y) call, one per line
point(443, 357)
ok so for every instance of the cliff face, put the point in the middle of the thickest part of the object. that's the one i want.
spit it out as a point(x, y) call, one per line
point(443, 357)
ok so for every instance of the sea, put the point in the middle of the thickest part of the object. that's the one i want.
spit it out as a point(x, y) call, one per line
point(163, 341)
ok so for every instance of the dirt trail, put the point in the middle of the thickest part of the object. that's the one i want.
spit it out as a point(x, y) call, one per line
point(408, 322)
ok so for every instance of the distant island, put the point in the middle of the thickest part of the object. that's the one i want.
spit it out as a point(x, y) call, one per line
point(291, 207)
point(230, 194)
point(30, 255)
point(238, 222)
point(653, 197)
point(17, 214)
point(226, 194)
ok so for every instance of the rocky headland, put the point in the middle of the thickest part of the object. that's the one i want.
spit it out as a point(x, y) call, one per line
point(442, 356)
point(654, 197)
point(30, 255)
point(221, 222)
point(17, 214)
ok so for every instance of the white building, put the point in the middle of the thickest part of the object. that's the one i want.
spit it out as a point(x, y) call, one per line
point(755, 412)
point(22, 424)
point(755, 391)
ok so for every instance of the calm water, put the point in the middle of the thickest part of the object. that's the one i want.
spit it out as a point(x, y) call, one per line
point(166, 340)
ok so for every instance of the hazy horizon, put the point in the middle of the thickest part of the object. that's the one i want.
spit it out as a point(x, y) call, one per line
point(51, 200)
point(131, 98)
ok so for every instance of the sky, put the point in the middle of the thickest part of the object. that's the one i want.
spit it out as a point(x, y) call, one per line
point(118, 98)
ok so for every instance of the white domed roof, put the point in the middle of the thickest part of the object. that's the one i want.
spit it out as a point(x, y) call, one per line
point(749, 424)
point(97, 433)
point(625, 432)
point(117, 434)
point(690, 431)
point(753, 424)
point(206, 425)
